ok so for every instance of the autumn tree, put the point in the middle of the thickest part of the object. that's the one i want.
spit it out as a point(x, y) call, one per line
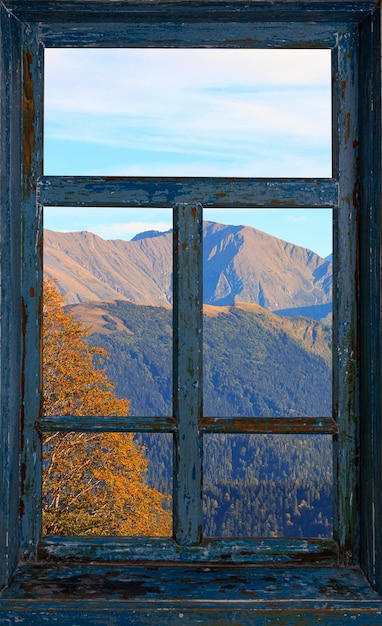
point(93, 483)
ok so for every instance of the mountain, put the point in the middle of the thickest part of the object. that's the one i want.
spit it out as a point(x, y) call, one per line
point(88, 267)
point(254, 485)
point(255, 363)
point(248, 353)
point(241, 264)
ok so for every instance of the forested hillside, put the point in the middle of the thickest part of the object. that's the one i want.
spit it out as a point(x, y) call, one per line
point(255, 364)
point(267, 486)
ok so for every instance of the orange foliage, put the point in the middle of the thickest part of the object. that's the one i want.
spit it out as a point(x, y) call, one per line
point(93, 483)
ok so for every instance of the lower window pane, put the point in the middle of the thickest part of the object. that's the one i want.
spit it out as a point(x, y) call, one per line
point(267, 485)
point(101, 484)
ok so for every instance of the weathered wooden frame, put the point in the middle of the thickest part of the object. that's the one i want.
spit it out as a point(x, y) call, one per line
point(353, 31)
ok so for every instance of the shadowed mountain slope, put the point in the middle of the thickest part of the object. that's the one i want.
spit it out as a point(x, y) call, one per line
point(248, 353)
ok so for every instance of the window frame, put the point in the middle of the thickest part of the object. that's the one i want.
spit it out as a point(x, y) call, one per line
point(352, 30)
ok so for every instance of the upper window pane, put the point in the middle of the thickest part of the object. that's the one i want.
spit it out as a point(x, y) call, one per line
point(113, 269)
point(188, 112)
point(267, 313)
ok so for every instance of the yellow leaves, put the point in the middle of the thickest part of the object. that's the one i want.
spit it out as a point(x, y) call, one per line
point(93, 483)
point(73, 382)
point(87, 474)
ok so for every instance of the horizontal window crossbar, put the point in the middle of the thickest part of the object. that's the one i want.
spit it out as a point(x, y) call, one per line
point(260, 425)
point(324, 551)
point(185, 12)
point(92, 423)
point(273, 425)
point(159, 192)
point(227, 34)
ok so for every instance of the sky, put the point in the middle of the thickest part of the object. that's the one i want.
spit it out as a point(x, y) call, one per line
point(179, 112)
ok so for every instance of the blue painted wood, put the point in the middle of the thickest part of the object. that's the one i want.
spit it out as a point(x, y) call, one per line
point(93, 423)
point(370, 298)
point(136, 423)
point(10, 318)
point(195, 594)
point(345, 297)
point(228, 34)
point(315, 587)
point(31, 291)
point(223, 551)
point(357, 204)
point(29, 613)
point(187, 372)
point(165, 192)
point(62, 11)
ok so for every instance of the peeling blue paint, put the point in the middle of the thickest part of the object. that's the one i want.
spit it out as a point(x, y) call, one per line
point(274, 581)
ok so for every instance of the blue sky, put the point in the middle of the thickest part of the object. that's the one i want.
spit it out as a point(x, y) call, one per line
point(189, 112)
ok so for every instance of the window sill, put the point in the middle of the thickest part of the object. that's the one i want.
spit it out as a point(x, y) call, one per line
point(68, 593)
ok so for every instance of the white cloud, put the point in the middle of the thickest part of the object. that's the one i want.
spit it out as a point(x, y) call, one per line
point(117, 81)
point(203, 90)
point(127, 230)
point(292, 166)
point(107, 222)
point(232, 107)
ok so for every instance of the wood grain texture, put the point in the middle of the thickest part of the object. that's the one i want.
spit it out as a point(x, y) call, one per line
point(191, 594)
point(31, 291)
point(66, 11)
point(232, 424)
point(223, 551)
point(212, 593)
point(370, 298)
point(345, 297)
point(10, 329)
point(187, 372)
point(177, 33)
point(117, 614)
point(154, 192)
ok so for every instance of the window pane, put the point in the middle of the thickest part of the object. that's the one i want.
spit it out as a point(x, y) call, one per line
point(116, 282)
point(103, 484)
point(268, 485)
point(195, 112)
point(267, 315)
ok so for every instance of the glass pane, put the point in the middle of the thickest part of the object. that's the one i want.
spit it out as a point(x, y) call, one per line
point(268, 486)
point(102, 484)
point(188, 112)
point(108, 312)
point(267, 313)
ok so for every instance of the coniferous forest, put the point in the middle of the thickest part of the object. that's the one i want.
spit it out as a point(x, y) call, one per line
point(254, 485)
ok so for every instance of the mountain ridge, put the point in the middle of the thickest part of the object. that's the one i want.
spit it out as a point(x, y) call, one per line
point(241, 264)
point(311, 333)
